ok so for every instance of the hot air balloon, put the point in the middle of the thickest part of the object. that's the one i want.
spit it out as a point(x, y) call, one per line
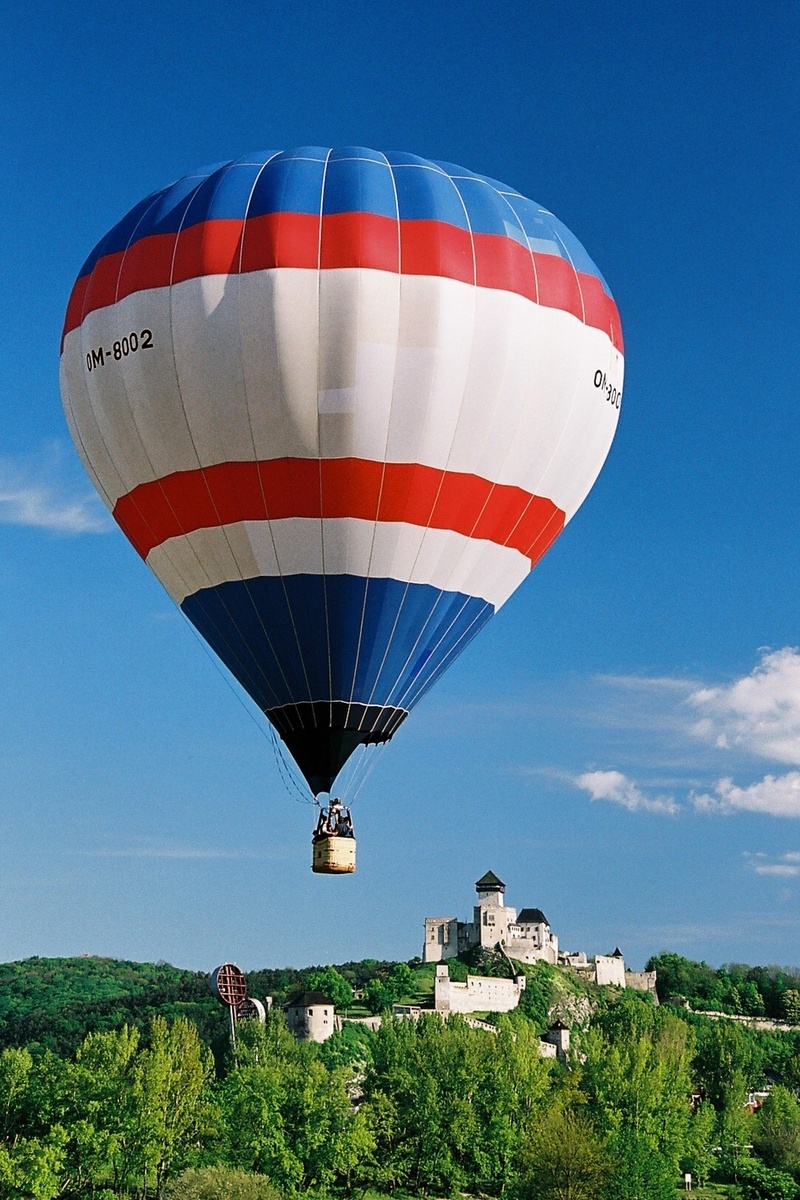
point(341, 402)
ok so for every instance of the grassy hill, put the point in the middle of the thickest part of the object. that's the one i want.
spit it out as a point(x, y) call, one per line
point(55, 1002)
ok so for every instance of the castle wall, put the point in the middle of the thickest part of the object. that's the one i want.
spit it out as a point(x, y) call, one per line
point(441, 939)
point(642, 981)
point(492, 922)
point(479, 994)
point(609, 969)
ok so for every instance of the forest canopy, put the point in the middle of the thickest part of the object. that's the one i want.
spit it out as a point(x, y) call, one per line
point(155, 1104)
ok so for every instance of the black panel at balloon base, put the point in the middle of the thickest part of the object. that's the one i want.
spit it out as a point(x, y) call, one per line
point(333, 843)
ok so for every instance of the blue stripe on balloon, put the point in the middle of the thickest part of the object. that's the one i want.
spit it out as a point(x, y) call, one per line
point(357, 152)
point(359, 185)
point(356, 179)
point(425, 194)
point(289, 183)
point(387, 639)
point(224, 196)
point(488, 210)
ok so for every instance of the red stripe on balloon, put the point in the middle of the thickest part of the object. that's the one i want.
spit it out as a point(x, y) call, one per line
point(345, 240)
point(278, 489)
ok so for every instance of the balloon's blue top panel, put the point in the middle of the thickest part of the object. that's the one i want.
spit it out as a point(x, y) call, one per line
point(352, 179)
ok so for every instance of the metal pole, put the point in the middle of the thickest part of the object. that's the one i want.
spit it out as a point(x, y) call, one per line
point(232, 1011)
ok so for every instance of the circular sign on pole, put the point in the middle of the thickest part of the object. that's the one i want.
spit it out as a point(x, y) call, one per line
point(229, 985)
point(252, 1010)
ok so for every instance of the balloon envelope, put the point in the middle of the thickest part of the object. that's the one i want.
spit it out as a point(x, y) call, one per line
point(341, 402)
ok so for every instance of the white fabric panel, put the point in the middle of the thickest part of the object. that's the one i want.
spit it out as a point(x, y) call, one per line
point(108, 400)
point(82, 424)
point(366, 363)
point(359, 320)
point(207, 344)
point(586, 426)
point(279, 314)
point(151, 382)
point(433, 355)
point(294, 547)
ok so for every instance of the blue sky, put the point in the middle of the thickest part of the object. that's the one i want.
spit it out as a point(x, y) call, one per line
point(622, 743)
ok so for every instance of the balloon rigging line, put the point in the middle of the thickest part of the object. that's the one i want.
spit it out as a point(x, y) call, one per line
point(287, 779)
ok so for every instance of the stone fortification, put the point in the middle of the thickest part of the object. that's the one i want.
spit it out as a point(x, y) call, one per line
point(525, 937)
point(479, 994)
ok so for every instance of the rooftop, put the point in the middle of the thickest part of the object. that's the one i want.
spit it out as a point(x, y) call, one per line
point(532, 916)
point(308, 999)
point(490, 883)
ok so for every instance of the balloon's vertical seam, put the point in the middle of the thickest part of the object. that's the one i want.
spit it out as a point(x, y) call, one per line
point(379, 500)
point(319, 437)
point(252, 434)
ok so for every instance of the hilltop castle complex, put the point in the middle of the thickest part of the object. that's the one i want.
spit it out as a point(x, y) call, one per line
point(523, 937)
point(526, 938)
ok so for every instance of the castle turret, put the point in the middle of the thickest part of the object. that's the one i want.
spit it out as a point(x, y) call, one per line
point(490, 890)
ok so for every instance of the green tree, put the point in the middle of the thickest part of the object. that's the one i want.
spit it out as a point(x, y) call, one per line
point(735, 1134)
point(728, 1061)
point(333, 986)
point(171, 1078)
point(15, 1072)
point(791, 1006)
point(564, 1159)
point(381, 993)
point(427, 1098)
point(638, 1171)
point(94, 1098)
point(760, 1182)
point(702, 1138)
point(32, 1168)
point(535, 1001)
point(777, 1131)
point(284, 1114)
point(640, 1083)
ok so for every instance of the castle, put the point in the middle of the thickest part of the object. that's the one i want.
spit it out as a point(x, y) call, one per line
point(526, 938)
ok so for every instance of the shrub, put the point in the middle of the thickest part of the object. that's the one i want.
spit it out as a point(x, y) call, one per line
point(760, 1182)
point(221, 1183)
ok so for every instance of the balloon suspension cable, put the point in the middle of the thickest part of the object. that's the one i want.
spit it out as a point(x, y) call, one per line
point(357, 771)
point(289, 781)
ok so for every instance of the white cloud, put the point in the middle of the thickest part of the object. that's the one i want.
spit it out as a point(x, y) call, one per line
point(648, 683)
point(170, 851)
point(41, 491)
point(776, 795)
point(759, 713)
point(785, 865)
point(616, 788)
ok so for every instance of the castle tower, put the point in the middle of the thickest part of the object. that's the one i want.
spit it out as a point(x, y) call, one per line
point(490, 890)
point(491, 917)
